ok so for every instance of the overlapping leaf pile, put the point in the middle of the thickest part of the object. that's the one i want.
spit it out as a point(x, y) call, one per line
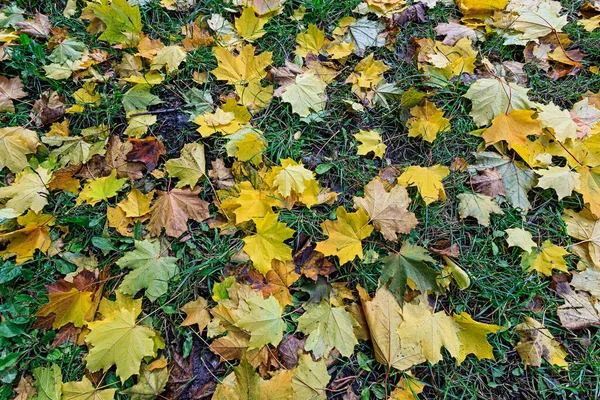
point(280, 344)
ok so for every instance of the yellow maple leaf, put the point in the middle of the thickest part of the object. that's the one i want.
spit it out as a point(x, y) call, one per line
point(251, 203)
point(267, 244)
point(28, 191)
point(70, 306)
point(513, 128)
point(84, 390)
point(197, 313)
point(190, 167)
point(136, 204)
point(590, 187)
point(169, 58)
point(34, 235)
point(100, 189)
point(227, 119)
point(345, 235)
point(311, 41)
point(241, 68)
point(118, 340)
point(247, 144)
point(472, 336)
point(548, 258)
point(249, 26)
point(422, 327)
point(306, 94)
point(427, 122)
point(428, 181)
point(291, 177)
point(15, 143)
point(370, 141)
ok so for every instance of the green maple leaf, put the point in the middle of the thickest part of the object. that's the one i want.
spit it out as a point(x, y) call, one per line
point(263, 322)
point(327, 328)
point(139, 98)
point(150, 270)
point(410, 262)
point(123, 22)
point(48, 382)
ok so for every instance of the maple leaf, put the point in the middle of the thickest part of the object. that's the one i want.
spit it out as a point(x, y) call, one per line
point(150, 270)
point(123, 22)
point(67, 305)
point(364, 33)
point(147, 151)
point(561, 179)
point(139, 98)
point(493, 97)
point(281, 276)
point(345, 235)
point(251, 203)
point(15, 144)
point(550, 257)
point(100, 189)
point(306, 95)
point(408, 388)
point(578, 312)
point(537, 343)
point(10, 89)
point(558, 121)
point(28, 191)
point(263, 322)
point(291, 177)
point(427, 122)
point(383, 316)
point(327, 328)
point(472, 336)
point(428, 181)
point(247, 144)
point(588, 281)
point(267, 244)
point(150, 385)
point(241, 68)
point(310, 41)
point(136, 204)
point(519, 237)
point(245, 384)
point(171, 210)
point(489, 183)
point(190, 167)
point(39, 27)
point(197, 313)
point(310, 379)
point(84, 390)
point(512, 128)
point(370, 141)
point(169, 58)
point(35, 235)
point(48, 382)
point(410, 262)
point(249, 26)
point(228, 119)
point(78, 149)
point(422, 327)
point(517, 178)
point(478, 206)
point(118, 340)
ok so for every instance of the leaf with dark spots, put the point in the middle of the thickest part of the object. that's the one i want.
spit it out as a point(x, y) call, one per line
point(147, 151)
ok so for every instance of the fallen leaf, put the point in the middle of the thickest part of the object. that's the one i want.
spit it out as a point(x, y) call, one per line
point(537, 343)
point(172, 210)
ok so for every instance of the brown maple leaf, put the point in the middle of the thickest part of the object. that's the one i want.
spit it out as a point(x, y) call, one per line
point(171, 210)
point(10, 89)
point(114, 159)
point(40, 26)
point(489, 183)
point(50, 107)
point(147, 151)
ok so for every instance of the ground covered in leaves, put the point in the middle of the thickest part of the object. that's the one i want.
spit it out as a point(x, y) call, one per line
point(301, 199)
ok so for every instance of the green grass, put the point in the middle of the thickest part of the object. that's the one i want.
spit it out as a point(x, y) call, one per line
point(500, 292)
